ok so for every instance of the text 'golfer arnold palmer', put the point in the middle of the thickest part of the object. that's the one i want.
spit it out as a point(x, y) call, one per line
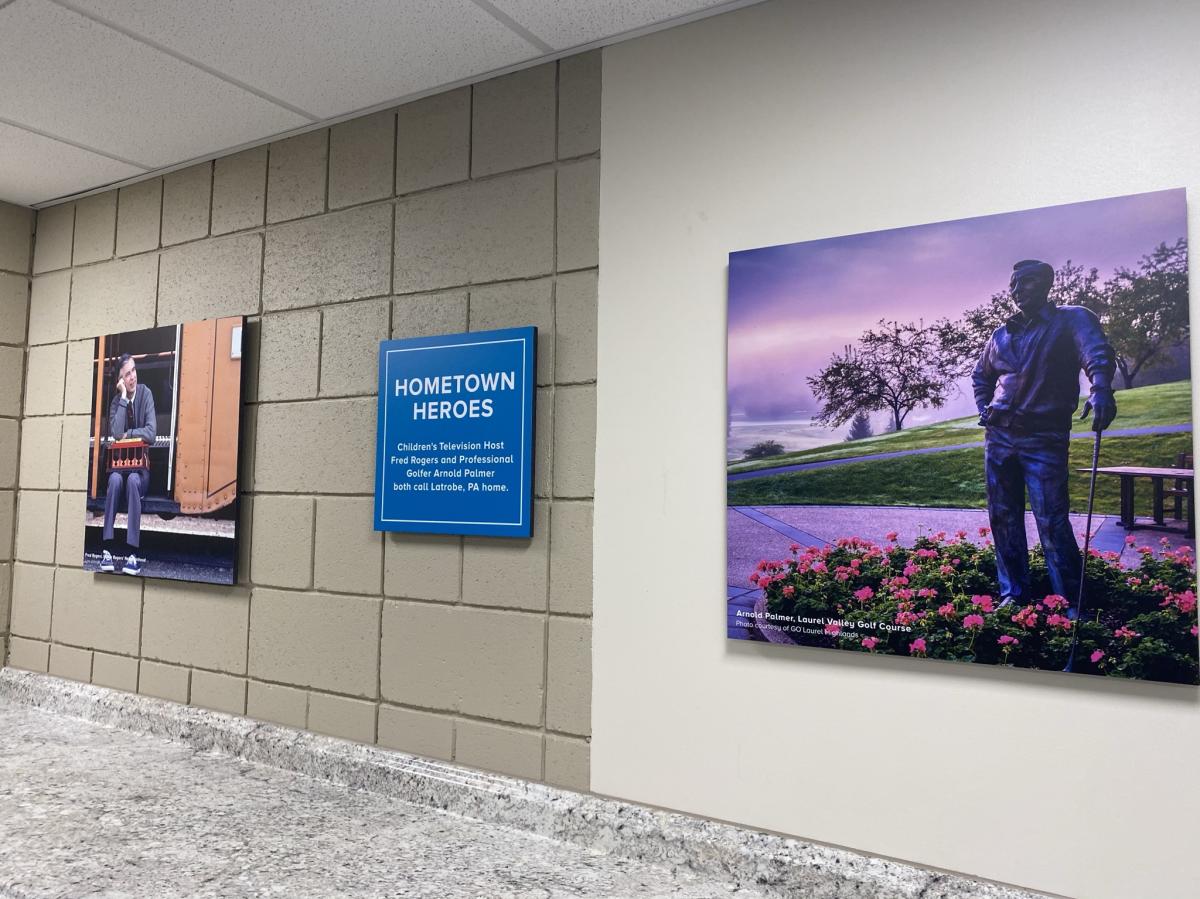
point(451, 385)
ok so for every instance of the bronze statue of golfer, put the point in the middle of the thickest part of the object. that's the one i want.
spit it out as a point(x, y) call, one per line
point(1027, 389)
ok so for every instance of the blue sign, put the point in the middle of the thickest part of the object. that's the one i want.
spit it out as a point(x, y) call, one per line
point(454, 453)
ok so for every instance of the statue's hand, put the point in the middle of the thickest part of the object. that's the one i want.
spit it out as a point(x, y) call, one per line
point(1104, 406)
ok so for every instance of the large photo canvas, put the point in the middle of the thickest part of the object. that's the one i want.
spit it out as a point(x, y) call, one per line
point(923, 421)
point(162, 496)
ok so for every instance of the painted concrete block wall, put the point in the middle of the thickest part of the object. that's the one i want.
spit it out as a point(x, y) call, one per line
point(16, 257)
point(472, 209)
point(793, 121)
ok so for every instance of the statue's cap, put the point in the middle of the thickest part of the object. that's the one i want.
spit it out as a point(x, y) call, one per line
point(1034, 267)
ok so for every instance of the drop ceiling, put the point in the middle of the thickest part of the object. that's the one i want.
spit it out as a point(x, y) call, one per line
point(100, 92)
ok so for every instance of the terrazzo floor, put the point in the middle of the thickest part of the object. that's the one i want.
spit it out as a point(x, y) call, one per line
point(87, 810)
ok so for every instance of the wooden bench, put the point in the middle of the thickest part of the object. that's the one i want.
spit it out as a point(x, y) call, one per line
point(1182, 486)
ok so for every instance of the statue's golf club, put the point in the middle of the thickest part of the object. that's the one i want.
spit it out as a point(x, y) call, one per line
point(1087, 540)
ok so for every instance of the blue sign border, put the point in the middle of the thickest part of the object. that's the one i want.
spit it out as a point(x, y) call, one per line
point(523, 526)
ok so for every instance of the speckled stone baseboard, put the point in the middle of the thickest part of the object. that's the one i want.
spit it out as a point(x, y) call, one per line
point(789, 867)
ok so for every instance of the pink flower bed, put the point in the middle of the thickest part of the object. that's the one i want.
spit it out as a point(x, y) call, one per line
point(938, 599)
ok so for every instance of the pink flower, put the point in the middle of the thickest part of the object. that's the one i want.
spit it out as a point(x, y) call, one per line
point(1185, 601)
point(754, 578)
point(983, 532)
point(1097, 656)
point(795, 548)
point(892, 536)
point(1060, 621)
point(947, 611)
point(864, 594)
point(946, 570)
point(1027, 617)
point(927, 593)
point(910, 570)
point(906, 618)
point(833, 628)
point(956, 562)
point(1126, 632)
point(1130, 540)
point(1054, 601)
point(939, 536)
point(973, 622)
point(856, 564)
point(899, 581)
point(961, 535)
point(1006, 640)
point(870, 642)
point(1195, 631)
point(984, 602)
point(789, 591)
point(820, 568)
point(917, 646)
point(904, 594)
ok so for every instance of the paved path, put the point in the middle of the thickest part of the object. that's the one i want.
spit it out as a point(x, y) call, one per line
point(87, 810)
point(766, 532)
point(897, 454)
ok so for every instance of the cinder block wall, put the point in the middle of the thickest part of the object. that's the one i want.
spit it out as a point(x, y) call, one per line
point(16, 248)
point(469, 210)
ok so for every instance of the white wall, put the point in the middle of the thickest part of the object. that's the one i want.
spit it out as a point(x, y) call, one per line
point(788, 122)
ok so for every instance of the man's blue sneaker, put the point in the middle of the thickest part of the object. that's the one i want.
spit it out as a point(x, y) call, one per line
point(132, 565)
point(106, 561)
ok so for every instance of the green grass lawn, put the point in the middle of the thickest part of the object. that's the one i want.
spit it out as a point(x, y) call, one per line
point(1162, 404)
point(955, 478)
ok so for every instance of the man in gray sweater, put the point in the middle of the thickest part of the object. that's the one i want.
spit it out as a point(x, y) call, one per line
point(130, 415)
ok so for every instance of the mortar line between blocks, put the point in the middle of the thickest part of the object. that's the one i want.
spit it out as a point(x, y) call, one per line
point(320, 348)
point(378, 676)
point(312, 546)
point(328, 163)
point(212, 188)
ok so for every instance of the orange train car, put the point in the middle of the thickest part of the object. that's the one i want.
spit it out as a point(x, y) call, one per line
point(194, 372)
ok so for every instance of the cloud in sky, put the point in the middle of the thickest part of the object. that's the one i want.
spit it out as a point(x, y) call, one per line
point(792, 306)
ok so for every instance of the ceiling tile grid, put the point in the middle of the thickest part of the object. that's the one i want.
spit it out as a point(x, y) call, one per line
point(117, 96)
point(34, 169)
point(326, 58)
point(98, 92)
point(564, 24)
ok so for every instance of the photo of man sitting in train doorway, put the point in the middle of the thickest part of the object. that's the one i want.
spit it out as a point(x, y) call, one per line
point(162, 496)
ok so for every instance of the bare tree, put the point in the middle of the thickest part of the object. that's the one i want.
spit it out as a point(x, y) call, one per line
point(1144, 311)
point(897, 367)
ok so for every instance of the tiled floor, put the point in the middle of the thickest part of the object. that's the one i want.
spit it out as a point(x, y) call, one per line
point(86, 810)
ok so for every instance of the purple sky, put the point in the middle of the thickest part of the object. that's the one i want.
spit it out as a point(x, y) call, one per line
point(791, 306)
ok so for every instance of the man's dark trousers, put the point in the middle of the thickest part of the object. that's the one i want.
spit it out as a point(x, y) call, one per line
point(1016, 460)
point(136, 482)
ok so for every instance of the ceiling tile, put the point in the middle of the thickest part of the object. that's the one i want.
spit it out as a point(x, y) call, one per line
point(98, 88)
point(34, 169)
point(327, 58)
point(569, 23)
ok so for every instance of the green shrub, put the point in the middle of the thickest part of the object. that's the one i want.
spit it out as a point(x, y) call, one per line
point(764, 449)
